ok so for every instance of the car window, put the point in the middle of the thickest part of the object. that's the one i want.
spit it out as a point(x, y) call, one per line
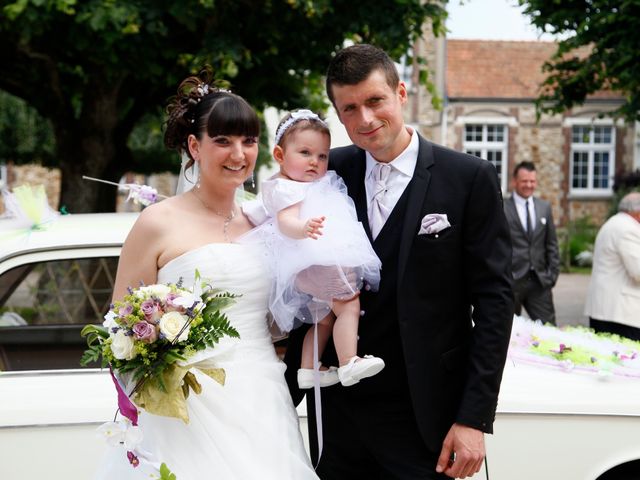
point(43, 307)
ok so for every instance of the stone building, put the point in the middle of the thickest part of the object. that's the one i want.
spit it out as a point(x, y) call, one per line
point(488, 89)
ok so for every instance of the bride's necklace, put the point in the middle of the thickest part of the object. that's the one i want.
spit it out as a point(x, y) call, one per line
point(227, 218)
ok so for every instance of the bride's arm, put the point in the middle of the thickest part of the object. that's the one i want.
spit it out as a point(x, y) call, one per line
point(293, 226)
point(139, 256)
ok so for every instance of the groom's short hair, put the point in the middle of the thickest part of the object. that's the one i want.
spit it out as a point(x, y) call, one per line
point(354, 64)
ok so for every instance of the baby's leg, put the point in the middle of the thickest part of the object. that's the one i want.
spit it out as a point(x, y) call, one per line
point(325, 327)
point(345, 330)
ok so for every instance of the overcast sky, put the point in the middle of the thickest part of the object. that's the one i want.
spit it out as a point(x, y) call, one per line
point(490, 20)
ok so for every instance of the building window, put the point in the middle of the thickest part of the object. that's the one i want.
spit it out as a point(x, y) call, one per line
point(489, 142)
point(592, 159)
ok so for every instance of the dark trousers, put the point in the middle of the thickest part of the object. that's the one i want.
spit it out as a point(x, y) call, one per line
point(372, 439)
point(613, 327)
point(536, 299)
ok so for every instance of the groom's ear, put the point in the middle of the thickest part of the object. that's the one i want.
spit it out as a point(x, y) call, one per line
point(278, 154)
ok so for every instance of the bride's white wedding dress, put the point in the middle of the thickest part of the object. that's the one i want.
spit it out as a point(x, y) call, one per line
point(248, 428)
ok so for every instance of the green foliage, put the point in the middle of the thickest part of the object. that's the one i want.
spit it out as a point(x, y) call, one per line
point(95, 336)
point(25, 137)
point(28, 314)
point(165, 473)
point(95, 68)
point(623, 183)
point(579, 236)
point(599, 50)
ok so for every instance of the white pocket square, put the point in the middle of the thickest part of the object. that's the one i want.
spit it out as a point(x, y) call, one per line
point(433, 223)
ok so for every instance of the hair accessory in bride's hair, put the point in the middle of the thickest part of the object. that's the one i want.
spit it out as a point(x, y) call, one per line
point(202, 90)
point(298, 115)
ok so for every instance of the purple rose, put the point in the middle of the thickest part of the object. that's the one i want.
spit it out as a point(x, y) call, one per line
point(145, 332)
point(151, 311)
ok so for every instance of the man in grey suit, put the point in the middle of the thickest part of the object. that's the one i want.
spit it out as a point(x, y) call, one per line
point(536, 260)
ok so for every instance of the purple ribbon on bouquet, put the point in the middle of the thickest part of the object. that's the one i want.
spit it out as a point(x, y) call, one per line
point(126, 406)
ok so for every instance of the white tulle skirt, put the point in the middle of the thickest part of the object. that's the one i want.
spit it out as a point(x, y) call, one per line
point(309, 274)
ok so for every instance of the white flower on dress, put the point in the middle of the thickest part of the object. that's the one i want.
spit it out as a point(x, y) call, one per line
point(121, 433)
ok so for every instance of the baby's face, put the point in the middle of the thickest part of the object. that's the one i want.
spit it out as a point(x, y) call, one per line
point(306, 155)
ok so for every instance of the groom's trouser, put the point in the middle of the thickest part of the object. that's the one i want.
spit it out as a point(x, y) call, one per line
point(371, 438)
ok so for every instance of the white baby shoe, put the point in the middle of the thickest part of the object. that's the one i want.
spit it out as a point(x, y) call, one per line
point(359, 368)
point(327, 377)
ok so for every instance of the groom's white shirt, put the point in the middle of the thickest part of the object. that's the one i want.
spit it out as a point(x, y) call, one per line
point(402, 168)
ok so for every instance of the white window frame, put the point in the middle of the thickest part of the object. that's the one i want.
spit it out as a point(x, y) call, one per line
point(484, 146)
point(591, 149)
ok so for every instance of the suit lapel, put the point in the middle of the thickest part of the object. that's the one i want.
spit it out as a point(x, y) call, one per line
point(417, 192)
point(353, 177)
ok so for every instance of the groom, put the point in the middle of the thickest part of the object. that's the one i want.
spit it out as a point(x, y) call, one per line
point(441, 319)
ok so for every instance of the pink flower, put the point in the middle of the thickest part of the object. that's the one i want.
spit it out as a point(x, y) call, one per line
point(151, 310)
point(145, 332)
point(133, 460)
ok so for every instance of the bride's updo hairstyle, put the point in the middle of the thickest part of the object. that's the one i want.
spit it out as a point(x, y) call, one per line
point(201, 106)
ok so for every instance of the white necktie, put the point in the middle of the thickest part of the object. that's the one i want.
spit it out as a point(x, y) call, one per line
point(528, 218)
point(378, 211)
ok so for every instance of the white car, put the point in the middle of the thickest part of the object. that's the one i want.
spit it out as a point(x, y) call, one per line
point(551, 423)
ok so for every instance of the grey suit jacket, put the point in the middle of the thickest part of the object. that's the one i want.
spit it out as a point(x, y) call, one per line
point(541, 252)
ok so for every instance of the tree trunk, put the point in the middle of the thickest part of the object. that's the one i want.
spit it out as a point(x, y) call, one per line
point(92, 146)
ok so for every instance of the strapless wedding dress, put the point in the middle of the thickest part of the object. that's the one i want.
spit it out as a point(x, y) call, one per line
point(248, 428)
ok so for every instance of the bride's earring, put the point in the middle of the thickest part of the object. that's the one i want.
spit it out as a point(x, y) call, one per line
point(253, 183)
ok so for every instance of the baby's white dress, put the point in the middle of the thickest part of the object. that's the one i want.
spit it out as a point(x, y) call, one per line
point(338, 263)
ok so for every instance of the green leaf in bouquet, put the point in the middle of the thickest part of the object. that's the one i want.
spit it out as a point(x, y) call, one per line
point(95, 335)
point(165, 473)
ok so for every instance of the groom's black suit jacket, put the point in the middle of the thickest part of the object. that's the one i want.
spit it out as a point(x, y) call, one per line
point(453, 302)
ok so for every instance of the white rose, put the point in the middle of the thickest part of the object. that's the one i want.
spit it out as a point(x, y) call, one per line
point(122, 346)
point(170, 325)
point(158, 290)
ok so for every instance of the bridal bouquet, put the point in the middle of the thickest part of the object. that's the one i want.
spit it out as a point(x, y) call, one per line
point(148, 340)
point(148, 337)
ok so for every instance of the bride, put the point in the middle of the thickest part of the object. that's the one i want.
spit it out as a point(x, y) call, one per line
point(247, 428)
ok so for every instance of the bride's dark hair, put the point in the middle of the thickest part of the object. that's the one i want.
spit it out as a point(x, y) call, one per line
point(200, 106)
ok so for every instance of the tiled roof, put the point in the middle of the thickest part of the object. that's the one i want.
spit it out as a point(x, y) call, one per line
point(498, 69)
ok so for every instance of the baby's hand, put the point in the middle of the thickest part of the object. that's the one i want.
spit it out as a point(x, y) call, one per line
point(313, 227)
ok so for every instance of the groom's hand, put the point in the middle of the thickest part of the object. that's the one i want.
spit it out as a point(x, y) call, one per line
point(462, 452)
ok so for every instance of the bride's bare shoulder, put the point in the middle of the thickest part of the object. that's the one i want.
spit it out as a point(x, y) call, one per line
point(160, 216)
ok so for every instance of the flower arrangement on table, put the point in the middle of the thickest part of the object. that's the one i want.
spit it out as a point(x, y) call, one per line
point(574, 348)
point(147, 340)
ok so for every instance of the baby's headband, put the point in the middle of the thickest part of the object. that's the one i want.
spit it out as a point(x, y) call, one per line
point(296, 117)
